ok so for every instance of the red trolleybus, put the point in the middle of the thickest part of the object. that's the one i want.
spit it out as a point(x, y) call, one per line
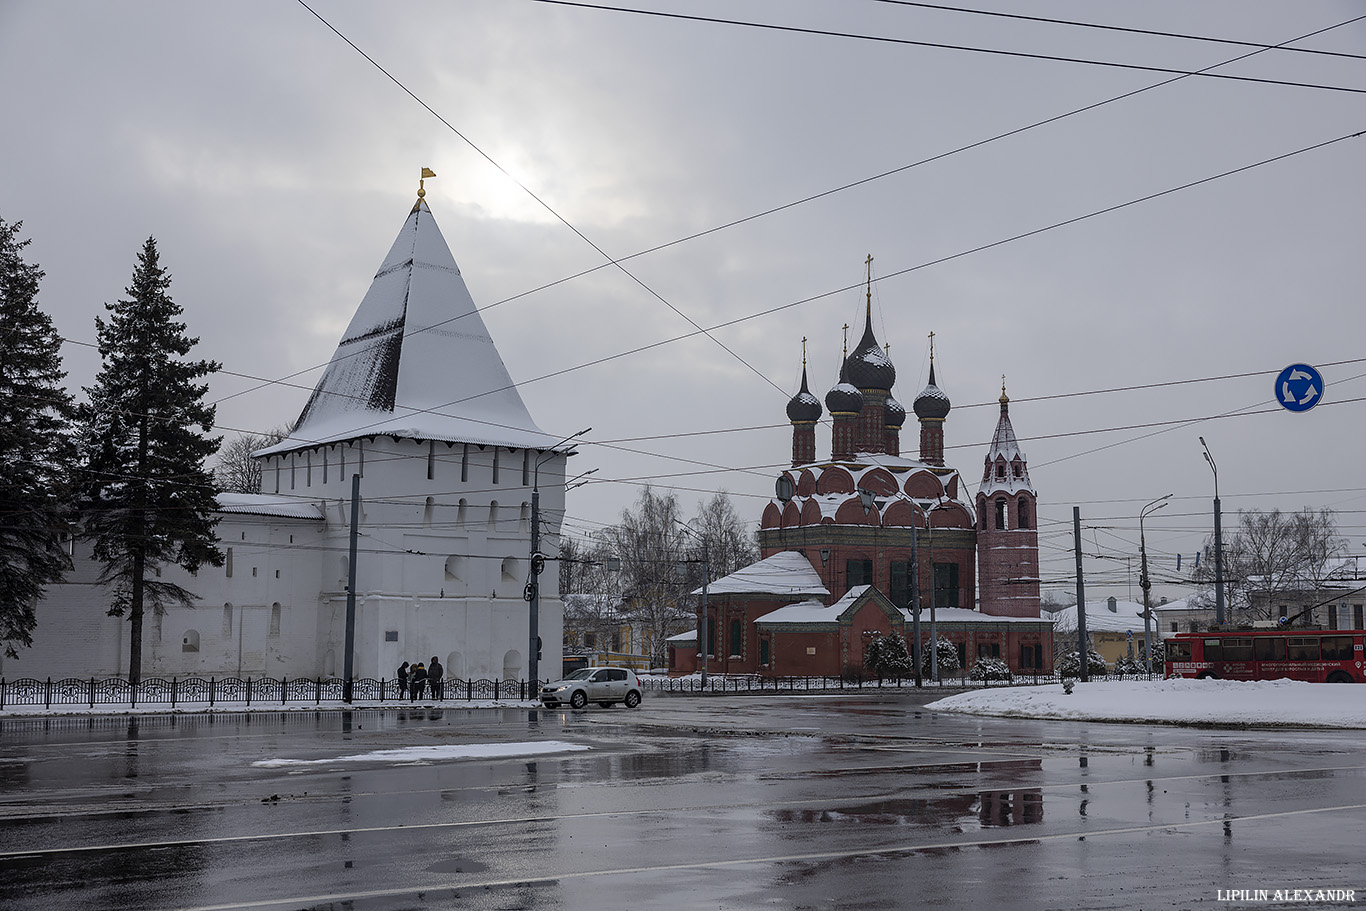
point(1318, 656)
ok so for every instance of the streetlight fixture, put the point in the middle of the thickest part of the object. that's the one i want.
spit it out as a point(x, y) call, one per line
point(533, 585)
point(704, 618)
point(1146, 584)
point(1218, 542)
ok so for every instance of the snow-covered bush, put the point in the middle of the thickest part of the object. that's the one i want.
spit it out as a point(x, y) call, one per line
point(948, 658)
point(887, 657)
point(1127, 665)
point(991, 669)
point(1070, 665)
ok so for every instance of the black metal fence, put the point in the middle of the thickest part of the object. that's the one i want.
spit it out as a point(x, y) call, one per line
point(212, 691)
point(72, 692)
point(754, 683)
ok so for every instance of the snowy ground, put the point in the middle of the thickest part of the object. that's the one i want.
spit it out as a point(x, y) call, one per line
point(434, 753)
point(1225, 703)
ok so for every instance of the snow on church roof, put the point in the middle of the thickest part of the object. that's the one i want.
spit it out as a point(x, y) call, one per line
point(786, 574)
point(417, 360)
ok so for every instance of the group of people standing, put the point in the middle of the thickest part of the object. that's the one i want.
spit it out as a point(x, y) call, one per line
point(413, 679)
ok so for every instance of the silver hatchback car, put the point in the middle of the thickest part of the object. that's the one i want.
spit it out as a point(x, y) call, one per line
point(603, 685)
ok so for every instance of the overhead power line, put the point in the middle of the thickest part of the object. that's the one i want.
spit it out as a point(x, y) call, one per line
point(1036, 124)
point(1020, 17)
point(965, 48)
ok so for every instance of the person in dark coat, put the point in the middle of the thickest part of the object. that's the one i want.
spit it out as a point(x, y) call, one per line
point(419, 680)
point(435, 675)
point(403, 680)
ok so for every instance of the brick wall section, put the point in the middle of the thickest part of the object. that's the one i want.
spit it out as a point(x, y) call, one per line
point(932, 441)
point(872, 422)
point(843, 435)
point(803, 443)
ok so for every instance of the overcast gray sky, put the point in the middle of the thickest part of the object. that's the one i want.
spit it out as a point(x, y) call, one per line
point(275, 165)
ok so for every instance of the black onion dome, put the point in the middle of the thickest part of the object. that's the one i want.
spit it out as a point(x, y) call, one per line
point(844, 396)
point(896, 412)
point(804, 407)
point(931, 402)
point(869, 366)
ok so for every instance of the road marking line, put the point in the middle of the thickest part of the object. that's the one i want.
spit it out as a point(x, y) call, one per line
point(776, 859)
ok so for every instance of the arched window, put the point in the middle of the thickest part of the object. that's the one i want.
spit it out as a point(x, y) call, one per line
point(1000, 471)
point(1023, 509)
point(275, 619)
point(453, 568)
point(736, 639)
point(227, 620)
point(1001, 514)
point(190, 641)
point(512, 665)
point(460, 513)
point(427, 509)
point(493, 515)
point(510, 569)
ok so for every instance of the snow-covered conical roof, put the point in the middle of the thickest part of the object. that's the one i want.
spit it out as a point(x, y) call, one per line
point(932, 402)
point(1005, 448)
point(417, 360)
point(804, 407)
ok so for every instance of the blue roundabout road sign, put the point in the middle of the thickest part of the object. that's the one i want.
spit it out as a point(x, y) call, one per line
point(1299, 387)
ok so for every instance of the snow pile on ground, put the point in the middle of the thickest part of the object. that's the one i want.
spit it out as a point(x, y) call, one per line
point(1231, 703)
point(435, 753)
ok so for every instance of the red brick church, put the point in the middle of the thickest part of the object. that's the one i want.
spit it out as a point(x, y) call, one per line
point(852, 543)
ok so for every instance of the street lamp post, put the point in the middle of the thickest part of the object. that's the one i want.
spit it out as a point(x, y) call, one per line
point(1218, 542)
point(1146, 584)
point(703, 619)
point(533, 586)
point(934, 593)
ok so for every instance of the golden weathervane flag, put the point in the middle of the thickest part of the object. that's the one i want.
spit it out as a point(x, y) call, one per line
point(428, 172)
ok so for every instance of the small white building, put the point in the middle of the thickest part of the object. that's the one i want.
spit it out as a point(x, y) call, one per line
point(417, 403)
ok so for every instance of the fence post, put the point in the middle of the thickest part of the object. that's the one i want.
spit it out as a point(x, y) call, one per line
point(47, 694)
point(248, 691)
point(2, 693)
point(211, 692)
point(318, 693)
point(92, 693)
point(173, 692)
point(496, 681)
point(133, 695)
point(382, 685)
point(284, 690)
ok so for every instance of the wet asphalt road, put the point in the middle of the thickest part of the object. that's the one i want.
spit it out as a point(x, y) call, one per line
point(721, 803)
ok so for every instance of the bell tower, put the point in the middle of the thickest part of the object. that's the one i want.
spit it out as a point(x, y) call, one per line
point(1007, 530)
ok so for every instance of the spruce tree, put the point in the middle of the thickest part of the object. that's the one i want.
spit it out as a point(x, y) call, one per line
point(35, 446)
point(148, 498)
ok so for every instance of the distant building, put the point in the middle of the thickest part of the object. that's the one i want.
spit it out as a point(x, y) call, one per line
point(1330, 598)
point(418, 404)
point(1114, 627)
point(849, 539)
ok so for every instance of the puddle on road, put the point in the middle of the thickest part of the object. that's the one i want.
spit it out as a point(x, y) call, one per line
point(1021, 806)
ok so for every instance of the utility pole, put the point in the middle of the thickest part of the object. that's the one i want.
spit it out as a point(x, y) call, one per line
point(1144, 582)
point(1083, 643)
point(704, 618)
point(349, 661)
point(1218, 542)
point(533, 585)
point(915, 605)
